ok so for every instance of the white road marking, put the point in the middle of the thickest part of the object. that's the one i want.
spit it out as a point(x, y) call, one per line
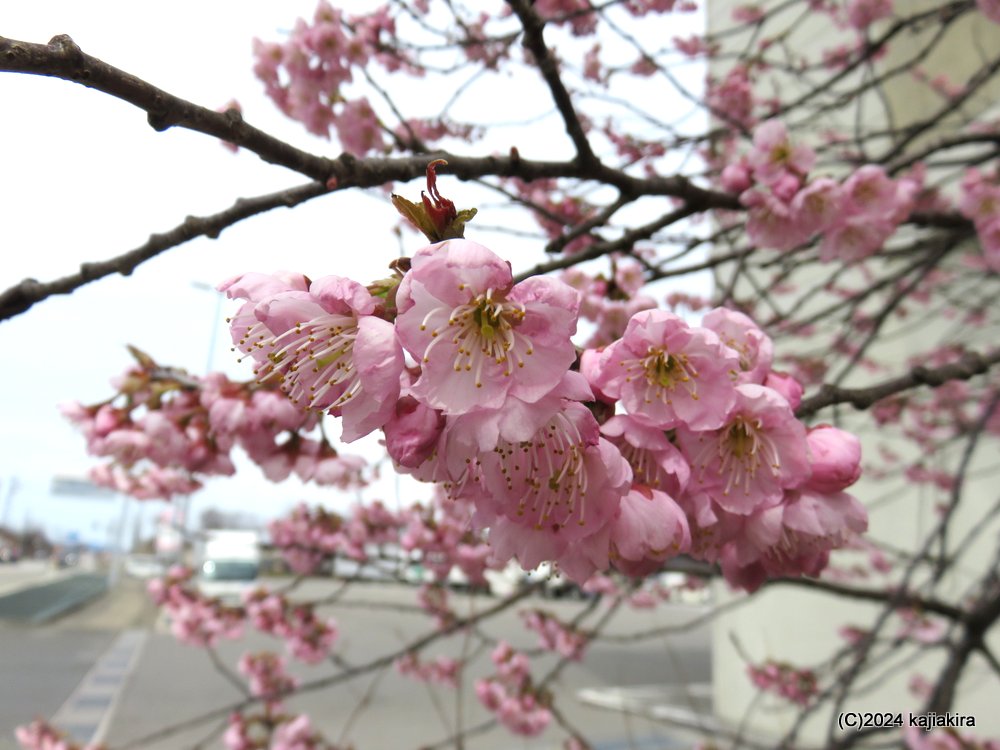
point(86, 715)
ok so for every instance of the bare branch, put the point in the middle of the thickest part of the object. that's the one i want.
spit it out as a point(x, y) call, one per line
point(17, 299)
point(968, 366)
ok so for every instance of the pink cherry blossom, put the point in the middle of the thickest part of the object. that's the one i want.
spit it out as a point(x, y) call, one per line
point(412, 432)
point(754, 457)
point(855, 238)
point(650, 528)
point(818, 205)
point(863, 13)
point(328, 350)
point(990, 9)
point(565, 482)
point(656, 463)
point(870, 191)
point(774, 156)
point(478, 337)
point(741, 334)
point(771, 222)
point(668, 374)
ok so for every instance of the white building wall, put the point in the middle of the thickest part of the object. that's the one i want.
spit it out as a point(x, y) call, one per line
point(787, 623)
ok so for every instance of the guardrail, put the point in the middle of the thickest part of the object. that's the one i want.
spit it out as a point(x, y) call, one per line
point(38, 604)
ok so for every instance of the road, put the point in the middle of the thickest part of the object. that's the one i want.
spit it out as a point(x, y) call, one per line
point(109, 667)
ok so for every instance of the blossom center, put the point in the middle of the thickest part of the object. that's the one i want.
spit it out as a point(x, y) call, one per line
point(312, 359)
point(663, 372)
point(483, 333)
point(744, 449)
point(646, 470)
point(547, 475)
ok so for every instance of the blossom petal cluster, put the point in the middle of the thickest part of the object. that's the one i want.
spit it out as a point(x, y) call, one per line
point(511, 694)
point(165, 431)
point(787, 206)
point(476, 386)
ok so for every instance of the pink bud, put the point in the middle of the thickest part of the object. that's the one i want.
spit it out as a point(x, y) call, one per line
point(412, 432)
point(836, 459)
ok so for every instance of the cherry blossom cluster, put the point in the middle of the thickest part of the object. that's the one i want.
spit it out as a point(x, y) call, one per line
point(721, 466)
point(267, 732)
point(950, 738)
point(265, 672)
point(307, 637)
point(610, 303)
point(476, 385)
point(436, 536)
point(165, 430)
point(306, 75)
point(980, 201)
point(793, 684)
point(194, 619)
point(555, 635)
point(441, 670)
point(440, 535)
point(554, 211)
point(787, 207)
point(511, 695)
point(40, 735)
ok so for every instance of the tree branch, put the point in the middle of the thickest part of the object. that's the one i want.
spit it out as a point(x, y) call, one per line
point(19, 298)
point(968, 366)
point(534, 41)
point(62, 58)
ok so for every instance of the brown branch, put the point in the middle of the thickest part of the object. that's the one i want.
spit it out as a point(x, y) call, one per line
point(898, 598)
point(534, 41)
point(19, 298)
point(969, 365)
point(62, 58)
point(622, 244)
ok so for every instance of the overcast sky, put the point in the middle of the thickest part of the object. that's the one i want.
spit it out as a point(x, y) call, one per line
point(85, 178)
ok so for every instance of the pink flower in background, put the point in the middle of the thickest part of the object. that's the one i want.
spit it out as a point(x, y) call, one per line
point(869, 191)
point(818, 205)
point(358, 128)
point(736, 177)
point(863, 13)
point(990, 9)
point(855, 238)
point(668, 374)
point(774, 156)
point(771, 222)
point(477, 337)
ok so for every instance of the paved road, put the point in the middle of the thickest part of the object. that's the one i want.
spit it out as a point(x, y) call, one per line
point(167, 682)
